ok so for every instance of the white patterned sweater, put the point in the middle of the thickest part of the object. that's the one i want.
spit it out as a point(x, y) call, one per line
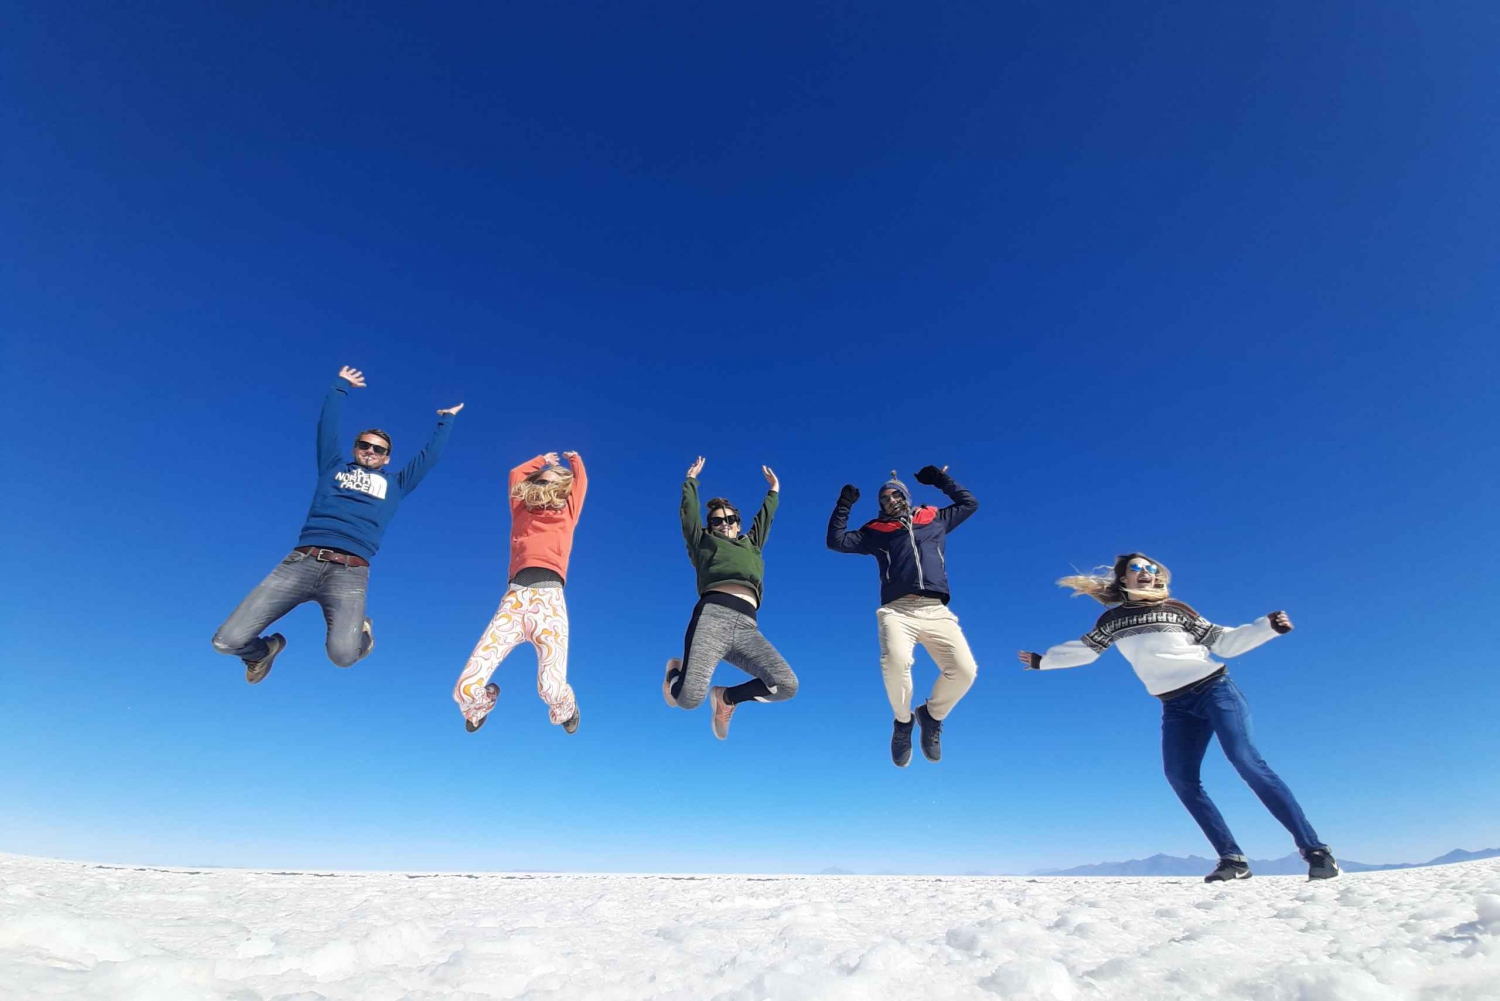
point(1166, 642)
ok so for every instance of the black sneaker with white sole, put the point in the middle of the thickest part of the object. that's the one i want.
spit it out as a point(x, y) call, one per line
point(256, 670)
point(1320, 864)
point(1229, 868)
point(932, 734)
point(901, 744)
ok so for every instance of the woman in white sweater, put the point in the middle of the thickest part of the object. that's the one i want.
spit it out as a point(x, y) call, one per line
point(1172, 648)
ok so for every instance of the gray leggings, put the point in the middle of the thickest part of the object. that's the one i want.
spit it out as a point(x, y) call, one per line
point(718, 632)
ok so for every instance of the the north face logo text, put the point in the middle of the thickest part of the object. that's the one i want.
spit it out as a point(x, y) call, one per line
point(364, 482)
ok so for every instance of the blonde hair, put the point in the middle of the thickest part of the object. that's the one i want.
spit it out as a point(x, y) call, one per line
point(546, 496)
point(1105, 585)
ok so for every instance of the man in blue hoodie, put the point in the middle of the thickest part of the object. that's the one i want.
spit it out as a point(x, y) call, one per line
point(354, 502)
point(908, 544)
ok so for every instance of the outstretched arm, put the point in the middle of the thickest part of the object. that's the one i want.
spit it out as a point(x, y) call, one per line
point(692, 520)
point(964, 503)
point(1074, 653)
point(761, 526)
point(840, 539)
point(422, 463)
point(330, 451)
point(1234, 640)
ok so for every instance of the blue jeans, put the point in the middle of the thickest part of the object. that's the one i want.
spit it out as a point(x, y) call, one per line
point(340, 590)
point(1187, 724)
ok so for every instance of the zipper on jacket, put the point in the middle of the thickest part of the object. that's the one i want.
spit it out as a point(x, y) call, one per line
point(916, 554)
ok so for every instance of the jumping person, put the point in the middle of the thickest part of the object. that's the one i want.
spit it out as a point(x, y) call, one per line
point(1170, 646)
point(351, 509)
point(723, 627)
point(545, 501)
point(909, 547)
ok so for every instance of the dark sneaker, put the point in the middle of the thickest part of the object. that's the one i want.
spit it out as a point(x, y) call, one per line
point(901, 744)
point(674, 668)
point(932, 734)
point(571, 725)
point(1320, 864)
point(256, 670)
point(475, 715)
point(722, 711)
point(1229, 868)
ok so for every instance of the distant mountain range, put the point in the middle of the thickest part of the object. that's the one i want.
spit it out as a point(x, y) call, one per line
point(1289, 865)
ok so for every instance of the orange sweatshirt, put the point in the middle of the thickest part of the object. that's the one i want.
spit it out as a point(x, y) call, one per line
point(544, 538)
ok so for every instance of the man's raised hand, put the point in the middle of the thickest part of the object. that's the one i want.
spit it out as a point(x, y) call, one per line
point(849, 494)
point(450, 410)
point(930, 474)
point(353, 377)
point(696, 468)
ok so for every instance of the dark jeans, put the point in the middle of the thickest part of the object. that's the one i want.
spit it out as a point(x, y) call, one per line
point(1187, 724)
point(340, 590)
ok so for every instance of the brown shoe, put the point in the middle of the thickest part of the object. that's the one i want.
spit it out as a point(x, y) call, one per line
point(723, 712)
point(256, 671)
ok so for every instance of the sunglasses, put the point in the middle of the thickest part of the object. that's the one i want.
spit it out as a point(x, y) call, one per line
point(1150, 568)
point(716, 522)
point(370, 446)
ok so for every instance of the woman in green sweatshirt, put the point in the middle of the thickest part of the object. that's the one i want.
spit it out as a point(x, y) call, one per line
point(723, 627)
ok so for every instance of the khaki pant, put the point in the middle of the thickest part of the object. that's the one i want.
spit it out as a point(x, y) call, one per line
point(915, 619)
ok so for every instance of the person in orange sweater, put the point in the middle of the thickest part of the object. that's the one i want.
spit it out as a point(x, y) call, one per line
point(545, 500)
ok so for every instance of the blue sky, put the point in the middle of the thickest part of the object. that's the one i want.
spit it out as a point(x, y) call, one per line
point(1215, 282)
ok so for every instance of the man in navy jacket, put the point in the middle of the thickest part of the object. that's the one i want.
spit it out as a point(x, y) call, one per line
point(908, 545)
point(353, 504)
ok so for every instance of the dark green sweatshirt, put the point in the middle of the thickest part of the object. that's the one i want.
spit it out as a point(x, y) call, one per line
point(719, 560)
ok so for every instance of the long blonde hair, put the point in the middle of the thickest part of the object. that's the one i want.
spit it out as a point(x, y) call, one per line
point(1105, 585)
point(545, 496)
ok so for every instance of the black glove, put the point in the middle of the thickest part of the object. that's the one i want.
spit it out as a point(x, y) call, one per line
point(849, 495)
point(930, 475)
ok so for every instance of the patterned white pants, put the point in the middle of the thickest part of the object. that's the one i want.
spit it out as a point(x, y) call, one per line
point(539, 616)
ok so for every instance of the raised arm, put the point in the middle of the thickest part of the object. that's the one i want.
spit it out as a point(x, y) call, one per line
point(840, 539)
point(422, 463)
point(580, 484)
point(525, 469)
point(330, 448)
point(1231, 641)
point(964, 503)
point(692, 519)
point(761, 526)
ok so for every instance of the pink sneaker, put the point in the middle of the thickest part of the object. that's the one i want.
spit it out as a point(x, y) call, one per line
point(723, 712)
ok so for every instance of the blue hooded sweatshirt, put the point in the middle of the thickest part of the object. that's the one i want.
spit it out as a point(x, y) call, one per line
point(353, 505)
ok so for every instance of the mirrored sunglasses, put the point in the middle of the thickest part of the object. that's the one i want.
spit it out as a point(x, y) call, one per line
point(1150, 568)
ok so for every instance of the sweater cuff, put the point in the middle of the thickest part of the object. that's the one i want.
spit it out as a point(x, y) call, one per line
point(1036, 662)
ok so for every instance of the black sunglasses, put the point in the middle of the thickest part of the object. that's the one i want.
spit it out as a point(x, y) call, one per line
point(715, 521)
point(370, 446)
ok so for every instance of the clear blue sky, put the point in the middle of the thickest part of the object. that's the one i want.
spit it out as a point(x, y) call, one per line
point(1213, 281)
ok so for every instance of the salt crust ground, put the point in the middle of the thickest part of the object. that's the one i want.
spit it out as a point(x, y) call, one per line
point(79, 931)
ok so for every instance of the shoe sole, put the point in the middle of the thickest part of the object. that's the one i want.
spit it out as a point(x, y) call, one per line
point(1248, 875)
point(666, 687)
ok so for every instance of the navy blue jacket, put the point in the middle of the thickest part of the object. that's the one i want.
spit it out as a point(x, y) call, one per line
point(909, 550)
point(353, 505)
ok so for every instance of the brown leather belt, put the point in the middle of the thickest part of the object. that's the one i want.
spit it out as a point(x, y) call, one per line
point(333, 556)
